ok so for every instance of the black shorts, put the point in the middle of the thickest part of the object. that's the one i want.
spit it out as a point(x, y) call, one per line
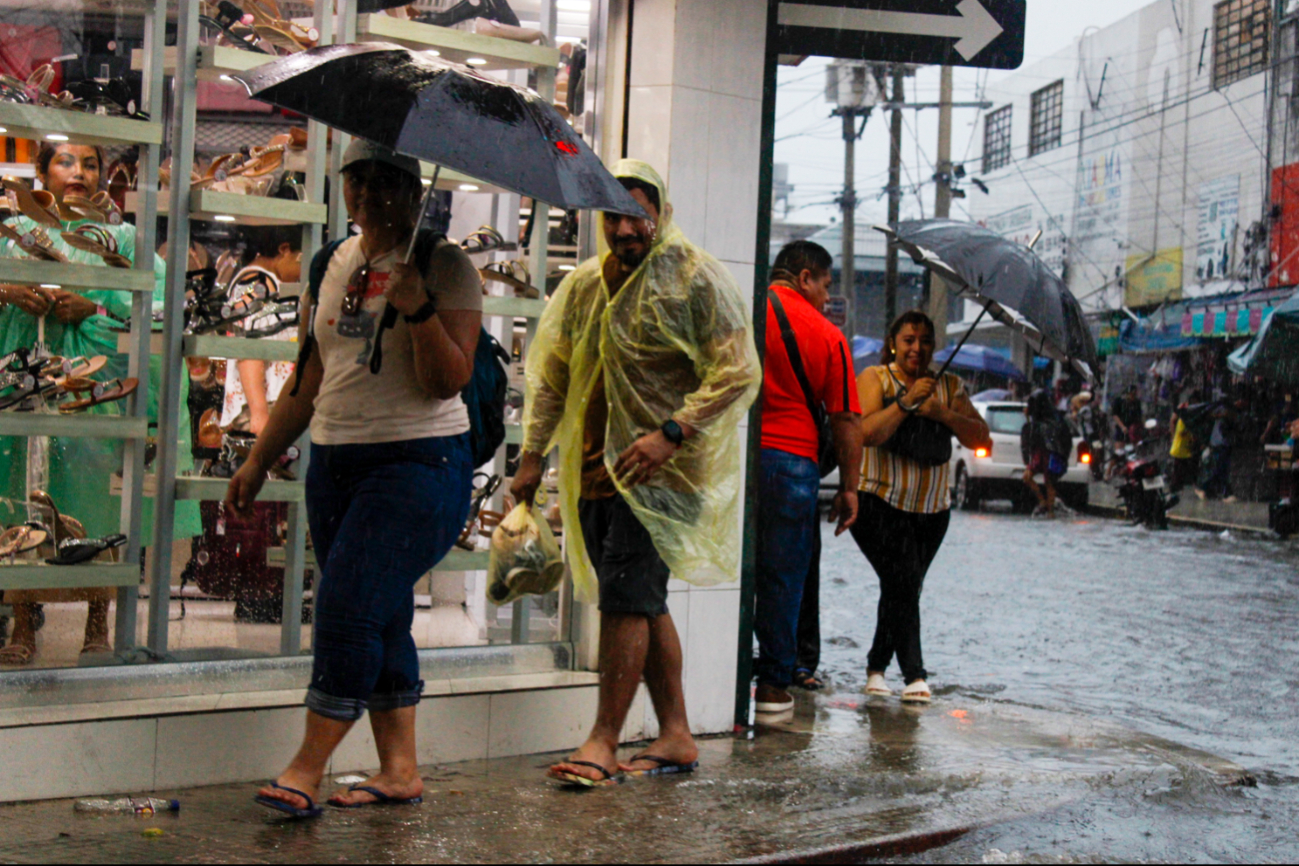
point(633, 577)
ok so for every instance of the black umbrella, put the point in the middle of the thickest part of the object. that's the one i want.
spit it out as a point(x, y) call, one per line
point(443, 113)
point(1012, 285)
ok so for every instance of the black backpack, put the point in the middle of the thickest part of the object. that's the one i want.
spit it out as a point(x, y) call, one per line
point(486, 393)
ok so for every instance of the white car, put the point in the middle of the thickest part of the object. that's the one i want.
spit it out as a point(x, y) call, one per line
point(979, 476)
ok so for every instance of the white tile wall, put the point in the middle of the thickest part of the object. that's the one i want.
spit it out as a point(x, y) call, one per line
point(699, 63)
point(77, 760)
point(653, 36)
point(524, 723)
point(711, 651)
point(216, 748)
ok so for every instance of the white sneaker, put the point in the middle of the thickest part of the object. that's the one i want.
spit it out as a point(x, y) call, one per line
point(876, 686)
point(917, 693)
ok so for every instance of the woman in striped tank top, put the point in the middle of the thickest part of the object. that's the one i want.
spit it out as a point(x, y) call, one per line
point(905, 506)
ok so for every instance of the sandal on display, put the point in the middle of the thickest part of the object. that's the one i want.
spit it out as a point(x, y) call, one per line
point(121, 180)
point(485, 240)
point(101, 208)
point(228, 18)
point(103, 392)
point(21, 539)
point(466, 10)
point(36, 243)
point(93, 239)
point(273, 318)
point(37, 205)
point(74, 551)
point(15, 655)
point(513, 274)
point(526, 35)
point(112, 97)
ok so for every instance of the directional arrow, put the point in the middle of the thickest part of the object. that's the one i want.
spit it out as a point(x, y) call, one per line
point(974, 27)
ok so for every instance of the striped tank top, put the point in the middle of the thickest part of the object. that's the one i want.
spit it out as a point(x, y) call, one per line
point(903, 483)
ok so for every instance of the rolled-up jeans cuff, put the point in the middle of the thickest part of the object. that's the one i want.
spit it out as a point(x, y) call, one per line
point(339, 709)
point(380, 703)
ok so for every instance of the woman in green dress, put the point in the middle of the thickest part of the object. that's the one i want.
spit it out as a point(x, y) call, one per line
point(77, 324)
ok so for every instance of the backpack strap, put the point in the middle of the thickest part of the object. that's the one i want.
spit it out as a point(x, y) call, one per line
point(316, 275)
point(796, 359)
point(425, 245)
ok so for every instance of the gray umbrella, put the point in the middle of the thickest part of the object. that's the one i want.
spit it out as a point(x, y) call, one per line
point(1012, 285)
point(444, 113)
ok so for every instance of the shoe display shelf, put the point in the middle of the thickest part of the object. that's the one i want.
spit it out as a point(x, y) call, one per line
point(206, 205)
point(41, 123)
point(459, 46)
point(457, 560)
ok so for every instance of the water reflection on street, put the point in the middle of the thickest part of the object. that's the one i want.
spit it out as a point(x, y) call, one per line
point(1186, 635)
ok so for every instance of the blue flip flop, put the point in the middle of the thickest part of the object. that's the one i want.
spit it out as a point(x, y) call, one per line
point(380, 799)
point(312, 810)
point(664, 768)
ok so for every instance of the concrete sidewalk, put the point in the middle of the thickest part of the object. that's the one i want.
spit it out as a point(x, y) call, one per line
point(1212, 513)
point(841, 779)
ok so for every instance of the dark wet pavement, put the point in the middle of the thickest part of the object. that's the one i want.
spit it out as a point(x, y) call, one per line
point(1187, 635)
point(1084, 672)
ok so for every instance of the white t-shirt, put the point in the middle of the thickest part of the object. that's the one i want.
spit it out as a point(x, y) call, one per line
point(278, 373)
point(355, 406)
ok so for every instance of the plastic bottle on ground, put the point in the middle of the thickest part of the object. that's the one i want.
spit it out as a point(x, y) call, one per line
point(128, 806)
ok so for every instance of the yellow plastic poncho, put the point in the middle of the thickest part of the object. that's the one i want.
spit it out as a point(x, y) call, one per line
point(675, 342)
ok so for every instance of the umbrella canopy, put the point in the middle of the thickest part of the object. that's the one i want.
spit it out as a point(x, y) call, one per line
point(865, 352)
point(1012, 284)
point(992, 395)
point(980, 359)
point(1274, 353)
point(443, 113)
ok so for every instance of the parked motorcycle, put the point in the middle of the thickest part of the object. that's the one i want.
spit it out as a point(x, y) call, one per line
point(1142, 485)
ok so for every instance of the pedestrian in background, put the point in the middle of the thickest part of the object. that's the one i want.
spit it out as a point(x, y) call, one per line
point(1185, 450)
point(807, 376)
point(905, 506)
point(1215, 482)
point(643, 366)
point(1044, 443)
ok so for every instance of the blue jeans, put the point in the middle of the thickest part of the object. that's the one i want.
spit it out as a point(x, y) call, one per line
point(381, 516)
point(786, 530)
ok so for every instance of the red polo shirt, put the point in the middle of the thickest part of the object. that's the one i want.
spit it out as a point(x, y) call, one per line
point(827, 359)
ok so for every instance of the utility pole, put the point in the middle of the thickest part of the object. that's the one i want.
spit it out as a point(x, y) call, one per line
point(848, 201)
point(895, 194)
point(938, 294)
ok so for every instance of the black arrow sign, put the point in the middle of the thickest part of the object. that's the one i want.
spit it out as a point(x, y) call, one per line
point(982, 33)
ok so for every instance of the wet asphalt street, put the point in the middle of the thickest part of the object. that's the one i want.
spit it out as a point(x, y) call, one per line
point(1184, 634)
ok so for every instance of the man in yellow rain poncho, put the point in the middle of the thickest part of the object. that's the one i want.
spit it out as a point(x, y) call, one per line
point(643, 365)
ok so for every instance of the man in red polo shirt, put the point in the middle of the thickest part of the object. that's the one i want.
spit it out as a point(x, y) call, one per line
point(790, 477)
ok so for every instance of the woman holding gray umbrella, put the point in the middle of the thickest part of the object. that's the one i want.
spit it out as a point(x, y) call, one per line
point(905, 497)
point(390, 477)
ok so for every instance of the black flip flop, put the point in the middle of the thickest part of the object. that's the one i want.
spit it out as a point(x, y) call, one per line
point(74, 551)
point(380, 799)
point(312, 810)
point(807, 680)
point(572, 779)
point(664, 768)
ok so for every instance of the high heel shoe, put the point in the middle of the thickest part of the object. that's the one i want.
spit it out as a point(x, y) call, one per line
point(465, 10)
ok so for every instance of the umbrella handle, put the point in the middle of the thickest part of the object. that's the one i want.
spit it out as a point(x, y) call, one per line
point(961, 344)
point(423, 209)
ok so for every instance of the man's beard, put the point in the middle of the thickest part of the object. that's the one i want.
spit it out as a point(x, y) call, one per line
point(628, 257)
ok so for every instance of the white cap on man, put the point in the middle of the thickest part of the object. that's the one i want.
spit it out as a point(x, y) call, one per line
point(361, 150)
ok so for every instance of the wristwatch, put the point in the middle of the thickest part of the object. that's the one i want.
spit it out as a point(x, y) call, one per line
point(673, 433)
point(423, 314)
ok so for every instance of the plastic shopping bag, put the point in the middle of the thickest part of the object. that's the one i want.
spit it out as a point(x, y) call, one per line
point(525, 558)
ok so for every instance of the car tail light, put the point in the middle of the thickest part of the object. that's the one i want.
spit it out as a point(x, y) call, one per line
point(983, 452)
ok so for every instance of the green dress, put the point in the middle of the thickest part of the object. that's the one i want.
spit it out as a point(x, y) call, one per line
point(79, 468)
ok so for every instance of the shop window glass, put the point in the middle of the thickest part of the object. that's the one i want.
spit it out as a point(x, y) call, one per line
point(1240, 38)
point(996, 139)
point(1046, 119)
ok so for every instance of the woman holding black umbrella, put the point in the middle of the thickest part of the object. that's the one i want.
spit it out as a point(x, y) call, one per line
point(390, 477)
point(905, 501)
